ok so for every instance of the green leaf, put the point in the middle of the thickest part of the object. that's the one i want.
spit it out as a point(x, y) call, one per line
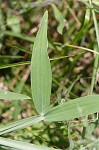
point(59, 18)
point(87, 18)
point(12, 96)
point(10, 57)
point(20, 48)
point(17, 35)
point(83, 27)
point(21, 145)
point(14, 65)
point(73, 109)
point(41, 76)
point(21, 124)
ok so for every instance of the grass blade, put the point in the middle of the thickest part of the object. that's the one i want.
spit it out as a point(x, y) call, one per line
point(20, 48)
point(10, 57)
point(14, 64)
point(41, 76)
point(97, 50)
point(73, 109)
point(59, 18)
point(17, 35)
point(12, 96)
point(83, 27)
point(21, 124)
point(21, 145)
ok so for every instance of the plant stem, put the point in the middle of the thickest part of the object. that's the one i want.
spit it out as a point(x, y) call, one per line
point(97, 57)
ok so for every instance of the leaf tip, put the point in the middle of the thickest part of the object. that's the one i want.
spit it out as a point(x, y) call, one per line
point(46, 14)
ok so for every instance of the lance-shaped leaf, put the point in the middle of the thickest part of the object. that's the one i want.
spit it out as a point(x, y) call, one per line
point(73, 109)
point(21, 145)
point(21, 124)
point(41, 76)
point(12, 96)
point(59, 18)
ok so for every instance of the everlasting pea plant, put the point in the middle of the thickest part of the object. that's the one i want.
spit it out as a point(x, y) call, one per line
point(41, 80)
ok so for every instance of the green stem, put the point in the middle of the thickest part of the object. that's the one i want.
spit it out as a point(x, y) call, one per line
point(95, 64)
point(17, 35)
point(97, 57)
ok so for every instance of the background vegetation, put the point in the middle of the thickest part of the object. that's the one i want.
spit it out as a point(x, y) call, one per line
point(72, 67)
